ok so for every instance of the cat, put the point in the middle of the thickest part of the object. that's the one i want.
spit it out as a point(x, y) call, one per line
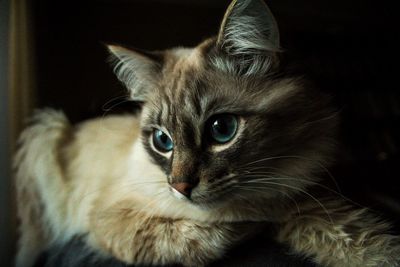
point(225, 143)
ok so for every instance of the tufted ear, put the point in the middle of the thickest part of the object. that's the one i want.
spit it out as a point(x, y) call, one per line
point(249, 36)
point(138, 71)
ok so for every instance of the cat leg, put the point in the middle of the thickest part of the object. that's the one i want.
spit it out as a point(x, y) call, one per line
point(341, 236)
point(135, 237)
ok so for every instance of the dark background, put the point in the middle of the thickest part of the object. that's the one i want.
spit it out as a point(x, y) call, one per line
point(347, 47)
point(6, 230)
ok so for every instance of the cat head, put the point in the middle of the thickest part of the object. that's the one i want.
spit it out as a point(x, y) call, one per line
point(221, 120)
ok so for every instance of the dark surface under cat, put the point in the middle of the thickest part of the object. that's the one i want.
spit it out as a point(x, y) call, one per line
point(260, 251)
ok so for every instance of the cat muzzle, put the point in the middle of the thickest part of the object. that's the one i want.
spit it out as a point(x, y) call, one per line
point(182, 189)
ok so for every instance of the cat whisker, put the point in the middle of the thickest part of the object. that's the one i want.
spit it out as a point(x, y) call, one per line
point(223, 180)
point(278, 176)
point(250, 169)
point(325, 170)
point(104, 106)
point(311, 196)
point(297, 189)
point(263, 160)
point(217, 188)
point(303, 180)
point(110, 103)
point(263, 178)
point(331, 116)
point(115, 105)
point(262, 174)
point(230, 179)
point(258, 190)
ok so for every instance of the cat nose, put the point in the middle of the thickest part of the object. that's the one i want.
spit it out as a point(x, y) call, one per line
point(183, 187)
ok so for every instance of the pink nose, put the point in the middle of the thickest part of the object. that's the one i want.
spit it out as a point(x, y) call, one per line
point(183, 188)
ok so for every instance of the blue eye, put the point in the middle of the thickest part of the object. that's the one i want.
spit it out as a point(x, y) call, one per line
point(223, 127)
point(162, 142)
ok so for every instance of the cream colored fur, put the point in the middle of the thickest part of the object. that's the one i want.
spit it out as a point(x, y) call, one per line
point(96, 179)
point(341, 235)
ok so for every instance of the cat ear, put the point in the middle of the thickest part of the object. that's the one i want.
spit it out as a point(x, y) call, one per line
point(138, 71)
point(249, 34)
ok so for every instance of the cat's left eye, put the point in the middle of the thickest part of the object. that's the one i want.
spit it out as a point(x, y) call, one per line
point(223, 127)
point(162, 142)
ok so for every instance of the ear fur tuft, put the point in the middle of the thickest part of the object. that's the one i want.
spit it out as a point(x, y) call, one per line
point(136, 70)
point(249, 36)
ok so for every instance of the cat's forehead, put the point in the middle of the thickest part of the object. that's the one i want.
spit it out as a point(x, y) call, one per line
point(185, 81)
point(182, 101)
point(183, 58)
point(192, 87)
point(191, 90)
point(180, 66)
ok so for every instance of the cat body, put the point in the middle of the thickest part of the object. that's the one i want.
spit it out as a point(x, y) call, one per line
point(101, 154)
point(224, 144)
point(83, 172)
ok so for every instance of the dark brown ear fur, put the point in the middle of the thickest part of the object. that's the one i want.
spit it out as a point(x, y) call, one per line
point(138, 70)
point(248, 38)
point(248, 25)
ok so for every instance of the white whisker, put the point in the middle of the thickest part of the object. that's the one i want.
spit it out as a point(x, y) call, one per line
point(320, 165)
point(308, 194)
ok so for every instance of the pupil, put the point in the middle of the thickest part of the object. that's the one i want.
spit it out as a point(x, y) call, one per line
point(164, 138)
point(221, 127)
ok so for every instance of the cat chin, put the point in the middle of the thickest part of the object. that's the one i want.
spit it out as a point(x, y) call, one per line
point(176, 194)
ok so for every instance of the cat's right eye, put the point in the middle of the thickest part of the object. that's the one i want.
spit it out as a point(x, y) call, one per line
point(162, 142)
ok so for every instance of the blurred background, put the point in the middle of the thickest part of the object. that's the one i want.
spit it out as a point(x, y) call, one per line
point(52, 54)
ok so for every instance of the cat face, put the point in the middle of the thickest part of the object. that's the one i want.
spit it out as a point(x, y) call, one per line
point(221, 121)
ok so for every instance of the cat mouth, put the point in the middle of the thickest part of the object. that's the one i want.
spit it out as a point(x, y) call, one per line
point(200, 199)
point(178, 194)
